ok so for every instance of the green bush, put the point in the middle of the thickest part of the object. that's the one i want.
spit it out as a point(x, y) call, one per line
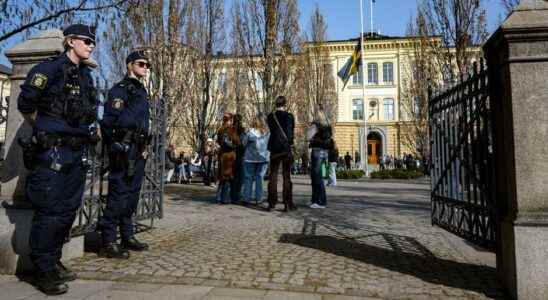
point(350, 174)
point(397, 174)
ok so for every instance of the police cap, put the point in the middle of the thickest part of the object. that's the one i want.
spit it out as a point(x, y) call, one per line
point(135, 55)
point(80, 30)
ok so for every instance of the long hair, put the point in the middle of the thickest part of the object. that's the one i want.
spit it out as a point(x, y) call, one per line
point(259, 123)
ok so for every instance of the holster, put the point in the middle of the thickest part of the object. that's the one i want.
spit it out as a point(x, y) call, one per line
point(30, 152)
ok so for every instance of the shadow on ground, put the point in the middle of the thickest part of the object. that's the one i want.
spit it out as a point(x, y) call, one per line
point(404, 255)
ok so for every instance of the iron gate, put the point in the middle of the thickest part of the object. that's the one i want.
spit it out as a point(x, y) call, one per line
point(462, 160)
point(150, 204)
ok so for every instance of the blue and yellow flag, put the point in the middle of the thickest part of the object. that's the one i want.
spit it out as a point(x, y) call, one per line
point(352, 65)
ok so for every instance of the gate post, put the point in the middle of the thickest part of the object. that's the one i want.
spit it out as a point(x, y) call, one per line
point(15, 212)
point(517, 57)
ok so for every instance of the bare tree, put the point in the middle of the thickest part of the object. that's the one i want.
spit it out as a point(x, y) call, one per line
point(268, 35)
point(315, 73)
point(460, 24)
point(445, 36)
point(24, 15)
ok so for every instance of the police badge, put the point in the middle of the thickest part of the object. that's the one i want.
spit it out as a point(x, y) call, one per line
point(39, 80)
point(117, 103)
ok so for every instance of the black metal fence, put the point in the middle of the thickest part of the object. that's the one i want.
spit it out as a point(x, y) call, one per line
point(151, 200)
point(462, 160)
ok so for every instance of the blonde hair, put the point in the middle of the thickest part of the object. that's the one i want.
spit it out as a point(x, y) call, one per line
point(259, 123)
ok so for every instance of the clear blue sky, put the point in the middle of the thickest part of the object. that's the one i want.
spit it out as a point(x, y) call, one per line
point(343, 17)
point(390, 16)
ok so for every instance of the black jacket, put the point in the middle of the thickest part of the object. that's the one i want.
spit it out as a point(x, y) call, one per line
point(323, 138)
point(277, 143)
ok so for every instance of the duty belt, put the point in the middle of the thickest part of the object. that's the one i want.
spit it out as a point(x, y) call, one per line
point(50, 140)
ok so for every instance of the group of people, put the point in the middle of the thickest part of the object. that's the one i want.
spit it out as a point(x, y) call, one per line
point(407, 161)
point(59, 101)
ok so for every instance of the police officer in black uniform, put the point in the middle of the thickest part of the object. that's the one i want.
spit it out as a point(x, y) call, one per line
point(125, 125)
point(58, 99)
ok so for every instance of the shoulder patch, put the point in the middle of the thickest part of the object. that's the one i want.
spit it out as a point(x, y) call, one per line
point(39, 80)
point(118, 104)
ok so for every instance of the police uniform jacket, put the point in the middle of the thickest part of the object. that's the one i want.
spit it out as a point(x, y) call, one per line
point(127, 108)
point(59, 90)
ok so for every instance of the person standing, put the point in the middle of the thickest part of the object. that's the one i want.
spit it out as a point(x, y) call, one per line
point(170, 163)
point(281, 125)
point(320, 144)
point(236, 184)
point(333, 157)
point(59, 101)
point(255, 159)
point(348, 161)
point(228, 141)
point(207, 161)
point(126, 126)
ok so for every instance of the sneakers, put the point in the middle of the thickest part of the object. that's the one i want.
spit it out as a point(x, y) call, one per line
point(314, 205)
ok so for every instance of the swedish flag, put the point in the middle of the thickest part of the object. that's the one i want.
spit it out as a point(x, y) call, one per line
point(352, 65)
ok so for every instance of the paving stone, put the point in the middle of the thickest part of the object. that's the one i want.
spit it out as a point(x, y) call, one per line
point(280, 295)
point(373, 240)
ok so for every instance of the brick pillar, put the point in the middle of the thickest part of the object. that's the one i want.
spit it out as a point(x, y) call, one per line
point(517, 57)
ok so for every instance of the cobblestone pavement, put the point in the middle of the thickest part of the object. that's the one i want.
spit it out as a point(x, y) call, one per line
point(373, 240)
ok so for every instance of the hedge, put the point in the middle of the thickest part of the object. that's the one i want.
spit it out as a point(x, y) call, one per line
point(397, 174)
point(350, 174)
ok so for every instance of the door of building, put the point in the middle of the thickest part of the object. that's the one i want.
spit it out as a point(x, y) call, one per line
point(373, 151)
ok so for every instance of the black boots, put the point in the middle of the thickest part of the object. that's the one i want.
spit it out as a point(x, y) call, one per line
point(64, 273)
point(113, 250)
point(50, 283)
point(134, 245)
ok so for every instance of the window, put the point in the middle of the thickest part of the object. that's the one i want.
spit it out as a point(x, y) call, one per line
point(357, 109)
point(388, 73)
point(389, 109)
point(358, 77)
point(372, 73)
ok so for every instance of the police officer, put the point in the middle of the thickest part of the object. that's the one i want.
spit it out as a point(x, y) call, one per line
point(125, 125)
point(58, 99)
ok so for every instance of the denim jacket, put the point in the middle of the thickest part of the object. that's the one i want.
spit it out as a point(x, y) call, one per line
point(256, 144)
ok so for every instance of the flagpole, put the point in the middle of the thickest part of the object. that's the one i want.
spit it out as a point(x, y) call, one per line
point(365, 156)
point(371, 3)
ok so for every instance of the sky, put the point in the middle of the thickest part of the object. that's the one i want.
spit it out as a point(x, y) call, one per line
point(343, 17)
point(389, 16)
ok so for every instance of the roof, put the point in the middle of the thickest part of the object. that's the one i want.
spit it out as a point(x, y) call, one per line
point(5, 69)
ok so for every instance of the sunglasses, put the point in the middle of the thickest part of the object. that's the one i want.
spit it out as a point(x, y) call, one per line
point(143, 64)
point(86, 41)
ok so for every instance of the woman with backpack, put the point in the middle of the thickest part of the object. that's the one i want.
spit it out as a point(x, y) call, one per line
point(320, 143)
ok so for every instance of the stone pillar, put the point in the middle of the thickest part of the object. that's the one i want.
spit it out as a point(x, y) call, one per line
point(517, 57)
point(15, 212)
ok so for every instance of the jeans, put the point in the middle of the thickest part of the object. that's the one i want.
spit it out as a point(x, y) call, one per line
point(223, 192)
point(254, 171)
point(318, 188)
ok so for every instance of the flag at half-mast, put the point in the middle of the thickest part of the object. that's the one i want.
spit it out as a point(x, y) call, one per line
point(352, 65)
